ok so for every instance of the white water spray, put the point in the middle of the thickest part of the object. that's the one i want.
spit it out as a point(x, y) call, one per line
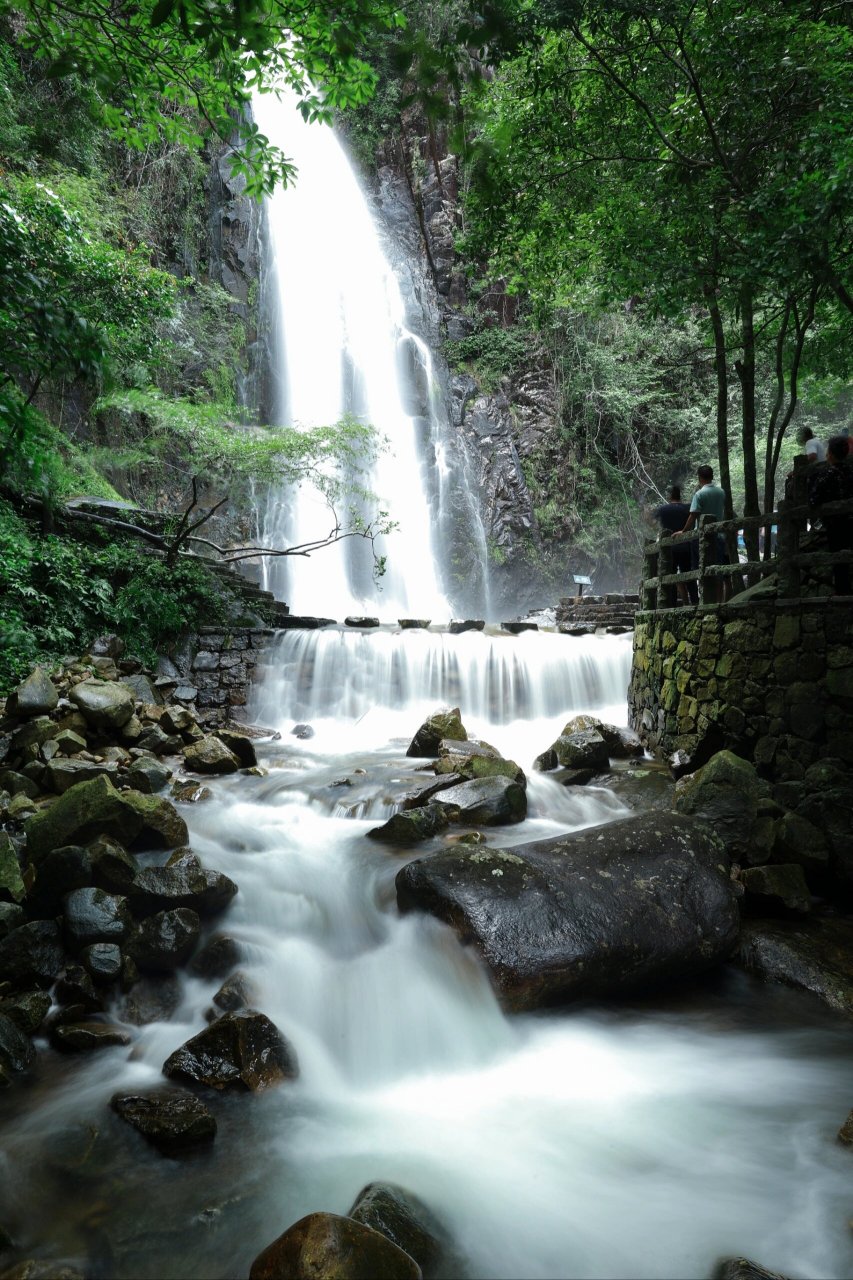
point(341, 324)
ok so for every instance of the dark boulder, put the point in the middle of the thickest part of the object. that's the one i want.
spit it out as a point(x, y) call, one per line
point(84, 1037)
point(102, 960)
point(584, 749)
point(631, 905)
point(725, 792)
point(403, 1219)
point(172, 1120)
point(443, 724)
point(11, 881)
point(242, 1050)
point(61, 871)
point(154, 998)
point(16, 1051)
point(11, 916)
point(27, 1009)
point(92, 809)
point(743, 1269)
point(210, 755)
point(217, 957)
point(485, 802)
point(422, 795)
point(235, 993)
point(183, 882)
point(62, 774)
point(165, 941)
point(776, 890)
point(31, 954)
point(113, 868)
point(91, 915)
point(815, 955)
point(240, 745)
point(148, 776)
point(34, 696)
point(324, 1246)
point(412, 826)
point(75, 988)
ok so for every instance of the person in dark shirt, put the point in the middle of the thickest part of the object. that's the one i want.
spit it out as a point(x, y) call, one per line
point(671, 516)
point(832, 481)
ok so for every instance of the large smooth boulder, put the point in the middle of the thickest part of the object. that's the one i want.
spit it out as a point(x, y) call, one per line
point(412, 826)
point(31, 954)
point(165, 941)
point(35, 696)
point(210, 755)
point(183, 882)
point(639, 902)
point(106, 705)
point(725, 792)
point(485, 802)
point(92, 809)
point(403, 1219)
point(91, 915)
point(324, 1246)
point(242, 1050)
point(446, 723)
point(170, 1119)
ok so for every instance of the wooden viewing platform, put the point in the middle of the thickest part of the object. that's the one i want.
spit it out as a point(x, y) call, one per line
point(782, 554)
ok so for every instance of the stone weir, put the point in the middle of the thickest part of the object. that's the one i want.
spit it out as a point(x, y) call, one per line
point(583, 615)
point(771, 680)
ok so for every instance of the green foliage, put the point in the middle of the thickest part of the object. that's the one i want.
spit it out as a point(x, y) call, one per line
point(69, 306)
point(175, 70)
point(491, 353)
point(58, 593)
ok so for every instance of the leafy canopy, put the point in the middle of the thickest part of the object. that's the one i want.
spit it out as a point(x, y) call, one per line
point(183, 69)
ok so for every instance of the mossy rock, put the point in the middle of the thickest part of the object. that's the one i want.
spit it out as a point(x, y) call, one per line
point(92, 809)
point(446, 723)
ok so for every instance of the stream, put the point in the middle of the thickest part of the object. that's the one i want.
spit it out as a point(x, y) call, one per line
point(644, 1139)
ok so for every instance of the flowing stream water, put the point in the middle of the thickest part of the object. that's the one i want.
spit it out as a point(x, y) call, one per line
point(632, 1140)
point(638, 1140)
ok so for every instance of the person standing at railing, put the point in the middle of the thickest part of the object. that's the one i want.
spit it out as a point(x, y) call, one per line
point(671, 516)
point(832, 481)
point(709, 500)
point(814, 449)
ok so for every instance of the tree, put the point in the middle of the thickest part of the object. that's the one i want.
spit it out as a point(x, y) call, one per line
point(697, 155)
point(184, 70)
point(68, 307)
point(212, 457)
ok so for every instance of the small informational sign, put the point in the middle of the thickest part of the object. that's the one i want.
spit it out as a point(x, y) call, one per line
point(581, 580)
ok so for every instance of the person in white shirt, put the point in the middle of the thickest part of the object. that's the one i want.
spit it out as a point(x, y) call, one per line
point(814, 449)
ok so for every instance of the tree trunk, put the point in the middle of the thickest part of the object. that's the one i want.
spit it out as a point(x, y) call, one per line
point(721, 368)
point(746, 373)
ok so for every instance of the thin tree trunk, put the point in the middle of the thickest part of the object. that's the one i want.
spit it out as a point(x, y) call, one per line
point(721, 368)
point(746, 374)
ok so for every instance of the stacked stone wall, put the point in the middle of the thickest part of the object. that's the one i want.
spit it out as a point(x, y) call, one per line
point(772, 681)
point(219, 667)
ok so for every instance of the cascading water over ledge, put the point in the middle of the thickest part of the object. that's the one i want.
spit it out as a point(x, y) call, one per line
point(342, 346)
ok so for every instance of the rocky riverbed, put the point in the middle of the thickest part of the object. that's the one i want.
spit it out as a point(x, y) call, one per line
point(167, 950)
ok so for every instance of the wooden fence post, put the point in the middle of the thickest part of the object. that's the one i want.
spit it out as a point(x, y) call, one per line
point(650, 570)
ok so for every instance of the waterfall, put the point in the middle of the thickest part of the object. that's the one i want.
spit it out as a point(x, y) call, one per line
point(342, 347)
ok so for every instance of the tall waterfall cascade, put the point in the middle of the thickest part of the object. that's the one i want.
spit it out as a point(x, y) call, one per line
point(341, 346)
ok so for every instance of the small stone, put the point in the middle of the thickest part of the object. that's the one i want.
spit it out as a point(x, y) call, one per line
point(11, 880)
point(91, 915)
point(411, 826)
point(170, 1119)
point(235, 993)
point(217, 957)
point(845, 1133)
point(190, 792)
point(148, 776)
point(302, 731)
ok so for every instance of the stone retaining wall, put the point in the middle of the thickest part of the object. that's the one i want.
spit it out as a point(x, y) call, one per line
point(218, 667)
point(772, 681)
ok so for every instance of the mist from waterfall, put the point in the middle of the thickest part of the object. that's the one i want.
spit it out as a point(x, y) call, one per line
point(342, 347)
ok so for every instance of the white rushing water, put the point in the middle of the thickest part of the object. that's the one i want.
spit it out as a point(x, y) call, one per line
point(343, 342)
point(645, 1142)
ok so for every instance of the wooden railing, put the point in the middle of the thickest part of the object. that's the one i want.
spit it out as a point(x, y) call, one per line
point(779, 552)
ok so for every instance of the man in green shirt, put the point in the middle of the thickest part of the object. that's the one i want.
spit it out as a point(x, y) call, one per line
point(709, 500)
